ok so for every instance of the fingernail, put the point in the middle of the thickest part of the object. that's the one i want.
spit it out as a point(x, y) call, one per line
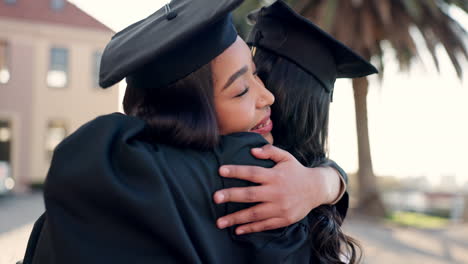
point(224, 171)
point(257, 149)
point(222, 223)
point(240, 231)
point(219, 198)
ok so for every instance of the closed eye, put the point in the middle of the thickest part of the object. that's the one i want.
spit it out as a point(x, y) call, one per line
point(243, 92)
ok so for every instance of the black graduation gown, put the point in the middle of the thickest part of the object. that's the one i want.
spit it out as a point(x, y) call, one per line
point(112, 197)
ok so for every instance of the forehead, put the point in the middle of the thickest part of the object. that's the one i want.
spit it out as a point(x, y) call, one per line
point(231, 60)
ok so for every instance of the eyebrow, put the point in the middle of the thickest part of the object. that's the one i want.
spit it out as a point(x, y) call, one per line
point(236, 75)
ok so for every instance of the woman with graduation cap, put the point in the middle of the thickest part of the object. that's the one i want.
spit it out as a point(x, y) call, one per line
point(299, 63)
point(138, 188)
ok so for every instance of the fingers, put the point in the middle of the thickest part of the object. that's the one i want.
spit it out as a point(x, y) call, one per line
point(248, 173)
point(242, 195)
point(268, 224)
point(255, 213)
point(271, 152)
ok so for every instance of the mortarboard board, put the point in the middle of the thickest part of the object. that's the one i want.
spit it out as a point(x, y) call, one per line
point(170, 44)
point(279, 29)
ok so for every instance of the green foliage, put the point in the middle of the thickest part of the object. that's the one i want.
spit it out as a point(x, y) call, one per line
point(417, 220)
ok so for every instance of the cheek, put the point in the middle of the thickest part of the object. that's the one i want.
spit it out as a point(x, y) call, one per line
point(234, 117)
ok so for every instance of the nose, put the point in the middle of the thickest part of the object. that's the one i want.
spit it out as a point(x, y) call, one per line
point(266, 98)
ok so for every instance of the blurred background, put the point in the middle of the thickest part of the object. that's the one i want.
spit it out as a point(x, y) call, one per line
point(402, 135)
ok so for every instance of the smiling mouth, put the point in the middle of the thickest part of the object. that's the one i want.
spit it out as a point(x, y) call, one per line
point(262, 125)
point(265, 126)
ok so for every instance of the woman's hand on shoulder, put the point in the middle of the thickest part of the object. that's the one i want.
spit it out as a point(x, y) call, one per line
point(286, 194)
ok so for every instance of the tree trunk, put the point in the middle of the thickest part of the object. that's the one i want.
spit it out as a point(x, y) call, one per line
point(369, 201)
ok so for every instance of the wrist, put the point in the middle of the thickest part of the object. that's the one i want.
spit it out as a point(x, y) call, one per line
point(320, 186)
point(331, 180)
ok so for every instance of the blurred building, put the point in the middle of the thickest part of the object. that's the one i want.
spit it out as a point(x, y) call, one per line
point(50, 52)
point(406, 200)
point(444, 204)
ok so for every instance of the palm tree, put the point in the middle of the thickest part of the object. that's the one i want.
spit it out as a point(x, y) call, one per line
point(364, 25)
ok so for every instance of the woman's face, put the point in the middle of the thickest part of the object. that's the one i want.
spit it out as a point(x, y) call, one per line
point(241, 100)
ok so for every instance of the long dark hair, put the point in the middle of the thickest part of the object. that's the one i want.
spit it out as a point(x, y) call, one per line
point(300, 118)
point(181, 114)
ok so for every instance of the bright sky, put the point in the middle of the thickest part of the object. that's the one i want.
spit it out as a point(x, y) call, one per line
point(418, 122)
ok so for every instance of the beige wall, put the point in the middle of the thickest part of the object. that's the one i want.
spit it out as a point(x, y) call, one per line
point(77, 103)
point(16, 101)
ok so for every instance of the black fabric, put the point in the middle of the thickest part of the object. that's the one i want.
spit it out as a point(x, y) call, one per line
point(112, 197)
point(155, 50)
point(279, 29)
point(33, 239)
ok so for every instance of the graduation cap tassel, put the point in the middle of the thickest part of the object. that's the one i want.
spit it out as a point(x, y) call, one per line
point(258, 37)
point(254, 50)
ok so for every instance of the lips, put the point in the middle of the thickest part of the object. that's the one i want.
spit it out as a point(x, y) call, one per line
point(263, 127)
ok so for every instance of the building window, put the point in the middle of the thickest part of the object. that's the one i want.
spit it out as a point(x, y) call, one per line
point(10, 2)
point(96, 66)
point(5, 139)
point(4, 69)
point(6, 181)
point(56, 132)
point(57, 5)
point(57, 77)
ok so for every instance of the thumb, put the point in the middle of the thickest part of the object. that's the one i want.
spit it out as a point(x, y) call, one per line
point(271, 152)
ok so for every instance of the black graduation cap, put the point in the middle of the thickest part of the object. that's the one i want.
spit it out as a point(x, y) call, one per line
point(279, 29)
point(170, 44)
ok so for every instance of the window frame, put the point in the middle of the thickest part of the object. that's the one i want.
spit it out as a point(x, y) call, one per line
point(7, 65)
point(52, 65)
point(95, 68)
point(57, 5)
point(50, 124)
point(10, 2)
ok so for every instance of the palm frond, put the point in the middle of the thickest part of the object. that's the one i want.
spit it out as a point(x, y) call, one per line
point(364, 24)
point(462, 4)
